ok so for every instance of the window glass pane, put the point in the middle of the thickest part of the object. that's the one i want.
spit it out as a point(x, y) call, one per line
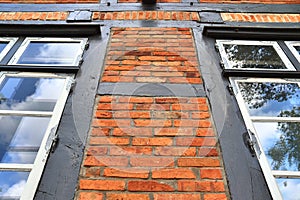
point(12, 184)
point(3, 45)
point(271, 98)
point(297, 49)
point(253, 56)
point(289, 188)
point(20, 138)
point(281, 144)
point(50, 53)
point(29, 93)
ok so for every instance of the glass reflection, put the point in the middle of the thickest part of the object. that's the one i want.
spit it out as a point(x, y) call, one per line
point(12, 184)
point(29, 93)
point(50, 53)
point(270, 98)
point(297, 49)
point(281, 144)
point(253, 56)
point(3, 45)
point(20, 138)
point(289, 188)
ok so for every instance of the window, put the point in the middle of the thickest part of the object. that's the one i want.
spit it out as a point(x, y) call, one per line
point(271, 110)
point(49, 52)
point(31, 105)
point(5, 45)
point(295, 48)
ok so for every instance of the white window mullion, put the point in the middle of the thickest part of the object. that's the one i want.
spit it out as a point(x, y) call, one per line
point(41, 158)
point(26, 113)
point(15, 167)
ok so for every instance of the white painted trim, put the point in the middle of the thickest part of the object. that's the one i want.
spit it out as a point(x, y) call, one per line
point(291, 45)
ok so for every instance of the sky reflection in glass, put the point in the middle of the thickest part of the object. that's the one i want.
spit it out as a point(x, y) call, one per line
point(50, 53)
point(253, 56)
point(3, 45)
point(270, 98)
point(20, 138)
point(12, 184)
point(271, 137)
point(31, 94)
point(289, 188)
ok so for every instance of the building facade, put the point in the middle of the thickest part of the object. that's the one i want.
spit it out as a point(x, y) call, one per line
point(153, 100)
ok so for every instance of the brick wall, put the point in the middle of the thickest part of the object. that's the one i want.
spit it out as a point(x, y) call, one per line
point(152, 147)
point(257, 17)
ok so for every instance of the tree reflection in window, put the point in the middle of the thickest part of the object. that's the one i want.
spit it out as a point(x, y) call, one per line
point(253, 56)
point(277, 100)
point(287, 148)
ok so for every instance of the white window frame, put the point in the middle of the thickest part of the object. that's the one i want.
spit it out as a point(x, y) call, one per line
point(36, 169)
point(227, 62)
point(11, 41)
point(14, 60)
point(291, 45)
point(269, 174)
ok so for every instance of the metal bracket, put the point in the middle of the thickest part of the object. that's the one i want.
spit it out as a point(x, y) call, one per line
point(230, 89)
point(251, 142)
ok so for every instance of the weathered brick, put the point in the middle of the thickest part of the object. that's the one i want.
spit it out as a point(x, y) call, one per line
point(157, 141)
point(215, 197)
point(201, 186)
point(151, 186)
point(151, 161)
point(172, 196)
point(105, 161)
point(127, 196)
point(205, 141)
point(177, 173)
point(210, 173)
point(109, 141)
point(198, 162)
point(125, 151)
point(90, 195)
point(102, 185)
point(126, 173)
point(175, 151)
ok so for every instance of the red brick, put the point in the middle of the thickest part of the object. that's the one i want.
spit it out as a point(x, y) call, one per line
point(205, 141)
point(157, 141)
point(200, 115)
point(109, 141)
point(111, 122)
point(210, 173)
point(134, 131)
point(127, 196)
point(201, 186)
point(198, 162)
point(207, 151)
point(177, 173)
point(152, 123)
point(215, 197)
point(101, 185)
point(103, 114)
point(97, 151)
point(192, 123)
point(205, 132)
point(125, 151)
point(151, 162)
point(92, 172)
point(173, 132)
point(90, 195)
point(96, 131)
point(105, 161)
point(115, 106)
point(131, 114)
point(126, 172)
point(175, 151)
point(149, 186)
point(172, 196)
